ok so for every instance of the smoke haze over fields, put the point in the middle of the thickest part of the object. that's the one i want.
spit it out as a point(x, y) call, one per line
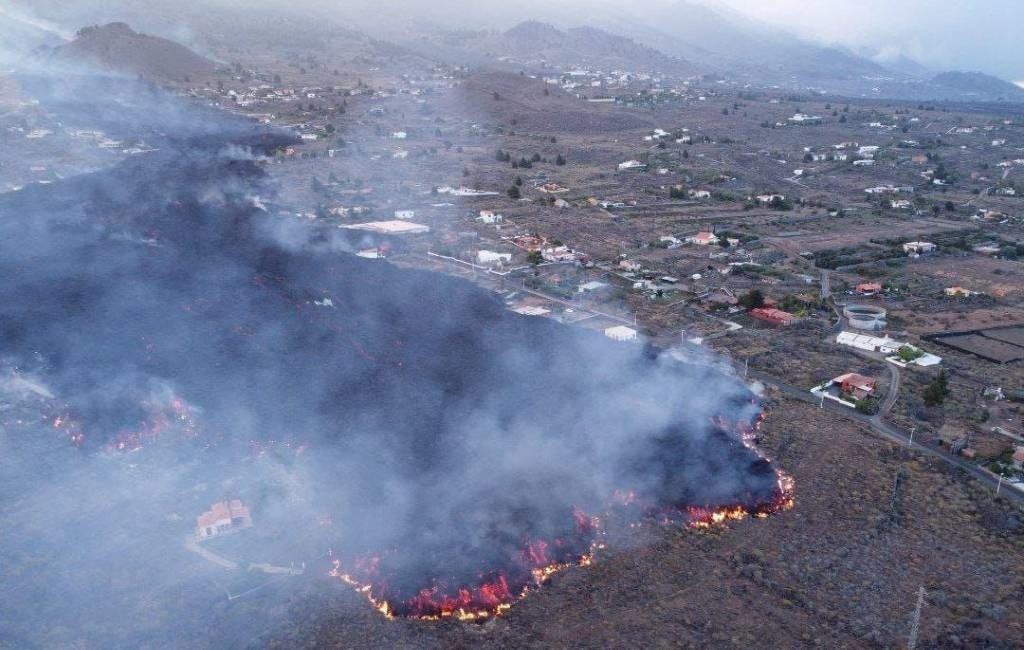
point(167, 343)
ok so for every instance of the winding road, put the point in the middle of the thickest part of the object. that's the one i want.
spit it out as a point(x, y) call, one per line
point(890, 432)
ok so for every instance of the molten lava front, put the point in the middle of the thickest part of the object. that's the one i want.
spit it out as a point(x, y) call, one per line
point(494, 590)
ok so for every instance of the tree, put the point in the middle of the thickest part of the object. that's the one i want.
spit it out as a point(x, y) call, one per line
point(937, 391)
point(808, 157)
point(514, 193)
point(535, 258)
point(518, 181)
point(560, 160)
point(752, 299)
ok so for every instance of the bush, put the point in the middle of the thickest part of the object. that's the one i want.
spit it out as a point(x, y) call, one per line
point(868, 406)
point(752, 299)
point(937, 391)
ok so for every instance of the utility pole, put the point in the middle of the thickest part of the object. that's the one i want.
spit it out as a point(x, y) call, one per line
point(821, 404)
point(895, 488)
point(746, 367)
point(912, 430)
point(999, 484)
point(915, 621)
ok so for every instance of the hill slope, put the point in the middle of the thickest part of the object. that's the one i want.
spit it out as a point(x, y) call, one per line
point(979, 83)
point(117, 47)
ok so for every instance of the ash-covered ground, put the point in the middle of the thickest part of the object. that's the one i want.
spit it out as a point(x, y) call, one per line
point(158, 325)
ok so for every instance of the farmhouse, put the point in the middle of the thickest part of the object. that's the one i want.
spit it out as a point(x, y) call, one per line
point(857, 385)
point(773, 316)
point(222, 518)
point(703, 239)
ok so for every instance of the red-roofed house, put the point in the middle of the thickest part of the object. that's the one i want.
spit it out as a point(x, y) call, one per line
point(773, 316)
point(857, 385)
point(869, 287)
point(703, 239)
point(222, 517)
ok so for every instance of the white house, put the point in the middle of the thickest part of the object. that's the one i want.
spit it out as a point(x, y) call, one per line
point(405, 214)
point(869, 343)
point(621, 333)
point(491, 258)
point(490, 217)
point(631, 164)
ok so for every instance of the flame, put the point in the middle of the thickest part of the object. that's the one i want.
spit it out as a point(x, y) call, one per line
point(494, 595)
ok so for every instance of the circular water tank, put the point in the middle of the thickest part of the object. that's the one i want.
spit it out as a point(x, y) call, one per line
point(865, 317)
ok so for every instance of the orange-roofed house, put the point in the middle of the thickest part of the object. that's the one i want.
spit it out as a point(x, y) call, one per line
point(857, 385)
point(223, 517)
point(869, 287)
point(703, 239)
point(773, 316)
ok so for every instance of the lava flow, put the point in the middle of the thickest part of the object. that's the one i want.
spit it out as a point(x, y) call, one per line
point(491, 592)
point(477, 597)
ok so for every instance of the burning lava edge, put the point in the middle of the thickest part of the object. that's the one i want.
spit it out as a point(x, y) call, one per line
point(695, 517)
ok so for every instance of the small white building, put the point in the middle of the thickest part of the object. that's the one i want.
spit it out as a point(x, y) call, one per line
point(915, 248)
point(867, 343)
point(621, 333)
point(631, 164)
point(405, 214)
point(491, 258)
point(490, 217)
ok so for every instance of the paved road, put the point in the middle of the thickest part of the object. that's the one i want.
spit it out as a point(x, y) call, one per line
point(192, 545)
point(894, 389)
point(893, 434)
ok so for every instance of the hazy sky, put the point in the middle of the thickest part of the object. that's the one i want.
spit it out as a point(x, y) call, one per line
point(941, 34)
point(947, 34)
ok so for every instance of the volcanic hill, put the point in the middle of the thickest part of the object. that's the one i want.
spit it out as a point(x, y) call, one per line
point(117, 47)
